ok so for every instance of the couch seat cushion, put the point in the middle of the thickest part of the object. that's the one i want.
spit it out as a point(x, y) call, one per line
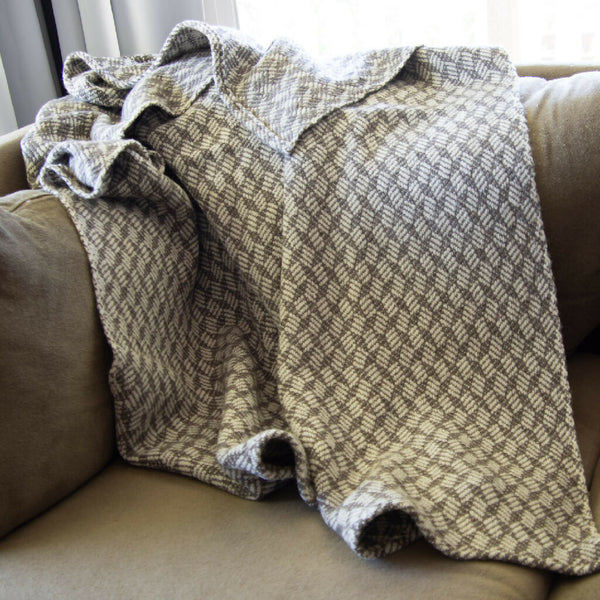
point(136, 533)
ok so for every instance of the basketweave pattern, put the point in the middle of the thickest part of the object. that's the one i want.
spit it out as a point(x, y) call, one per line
point(334, 273)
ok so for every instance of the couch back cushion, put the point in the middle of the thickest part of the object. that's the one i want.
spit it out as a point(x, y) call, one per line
point(12, 169)
point(564, 124)
point(56, 422)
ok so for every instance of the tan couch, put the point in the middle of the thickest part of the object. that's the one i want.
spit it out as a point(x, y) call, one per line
point(80, 523)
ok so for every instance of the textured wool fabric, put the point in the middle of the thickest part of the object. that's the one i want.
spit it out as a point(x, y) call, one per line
point(581, 588)
point(330, 272)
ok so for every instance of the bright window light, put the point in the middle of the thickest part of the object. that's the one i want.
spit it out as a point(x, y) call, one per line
point(532, 31)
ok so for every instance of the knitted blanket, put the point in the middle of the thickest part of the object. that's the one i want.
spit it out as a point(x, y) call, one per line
point(334, 272)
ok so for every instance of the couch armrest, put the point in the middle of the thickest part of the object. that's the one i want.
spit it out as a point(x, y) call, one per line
point(12, 169)
point(56, 420)
point(554, 71)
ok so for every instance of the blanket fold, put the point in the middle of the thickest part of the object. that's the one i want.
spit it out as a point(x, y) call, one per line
point(335, 273)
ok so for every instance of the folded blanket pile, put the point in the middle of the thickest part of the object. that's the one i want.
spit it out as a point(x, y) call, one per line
point(334, 272)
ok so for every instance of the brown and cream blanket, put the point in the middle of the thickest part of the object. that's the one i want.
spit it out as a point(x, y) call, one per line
point(334, 272)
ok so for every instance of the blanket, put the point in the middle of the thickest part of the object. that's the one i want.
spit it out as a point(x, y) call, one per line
point(333, 272)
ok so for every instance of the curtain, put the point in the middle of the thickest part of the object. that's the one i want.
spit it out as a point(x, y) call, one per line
point(8, 120)
point(36, 35)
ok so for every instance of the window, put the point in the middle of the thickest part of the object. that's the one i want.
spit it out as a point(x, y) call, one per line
point(533, 31)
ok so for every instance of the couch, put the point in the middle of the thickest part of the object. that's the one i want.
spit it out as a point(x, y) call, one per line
point(76, 521)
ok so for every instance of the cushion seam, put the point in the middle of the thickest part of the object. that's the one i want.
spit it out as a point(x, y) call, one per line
point(40, 196)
